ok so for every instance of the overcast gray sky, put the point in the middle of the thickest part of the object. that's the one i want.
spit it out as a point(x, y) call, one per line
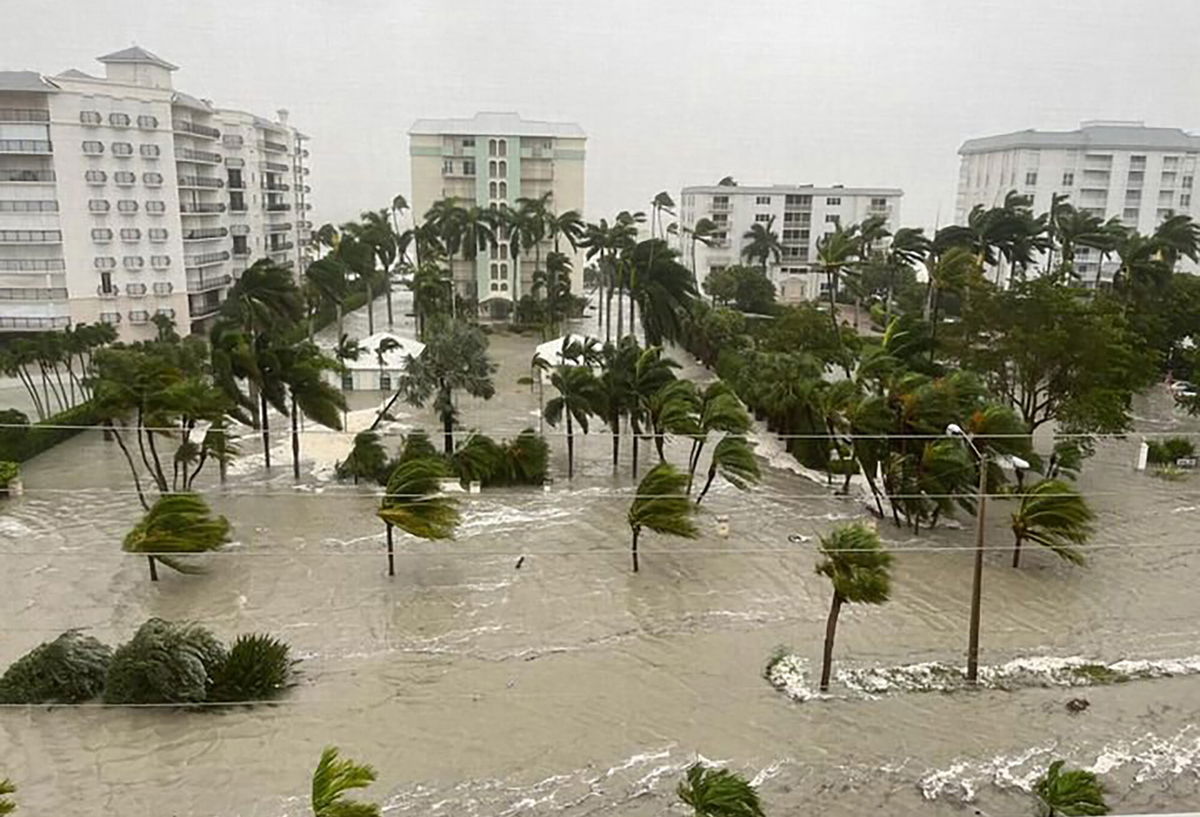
point(673, 92)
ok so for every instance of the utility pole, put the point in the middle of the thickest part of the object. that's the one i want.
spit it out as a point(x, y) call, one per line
point(977, 577)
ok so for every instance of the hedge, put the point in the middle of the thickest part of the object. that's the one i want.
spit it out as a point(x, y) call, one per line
point(21, 444)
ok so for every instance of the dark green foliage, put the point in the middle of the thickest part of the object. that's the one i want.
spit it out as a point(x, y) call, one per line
point(20, 444)
point(69, 669)
point(1071, 793)
point(8, 472)
point(526, 459)
point(176, 525)
point(332, 779)
point(417, 447)
point(367, 459)
point(718, 793)
point(7, 806)
point(478, 459)
point(1165, 452)
point(164, 663)
point(257, 668)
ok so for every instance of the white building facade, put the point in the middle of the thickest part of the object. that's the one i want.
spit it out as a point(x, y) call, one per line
point(122, 198)
point(1125, 170)
point(491, 160)
point(798, 214)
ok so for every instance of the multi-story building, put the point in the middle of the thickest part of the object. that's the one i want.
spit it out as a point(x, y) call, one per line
point(1110, 169)
point(491, 160)
point(122, 198)
point(798, 214)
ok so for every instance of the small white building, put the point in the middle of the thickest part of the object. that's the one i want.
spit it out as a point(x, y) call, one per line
point(373, 371)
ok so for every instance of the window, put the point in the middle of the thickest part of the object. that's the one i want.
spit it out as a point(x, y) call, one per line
point(95, 176)
point(90, 117)
point(106, 284)
point(135, 290)
point(127, 206)
point(125, 178)
point(1186, 182)
point(232, 140)
point(152, 179)
point(98, 206)
point(447, 166)
point(147, 122)
point(122, 149)
point(503, 169)
point(878, 203)
point(93, 148)
point(504, 251)
point(110, 317)
point(118, 120)
point(385, 381)
point(491, 147)
point(139, 316)
point(503, 190)
point(833, 201)
point(156, 207)
point(492, 190)
point(504, 286)
point(163, 287)
point(104, 262)
point(502, 146)
point(347, 381)
point(491, 168)
point(495, 270)
point(762, 200)
point(503, 270)
point(165, 311)
point(832, 218)
point(150, 151)
point(157, 234)
point(237, 201)
point(495, 287)
point(762, 218)
point(1068, 178)
point(1185, 199)
point(1031, 178)
point(131, 234)
point(133, 262)
point(102, 235)
point(469, 142)
point(1133, 195)
point(469, 167)
point(28, 206)
point(1170, 162)
point(792, 200)
point(1168, 179)
point(32, 236)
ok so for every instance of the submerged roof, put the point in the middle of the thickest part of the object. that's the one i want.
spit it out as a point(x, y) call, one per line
point(26, 81)
point(396, 358)
point(1089, 136)
point(136, 53)
point(496, 123)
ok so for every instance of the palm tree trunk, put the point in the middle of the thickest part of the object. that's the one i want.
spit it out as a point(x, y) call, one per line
point(153, 569)
point(391, 551)
point(694, 461)
point(633, 547)
point(830, 632)
point(634, 431)
point(137, 482)
point(295, 440)
point(1016, 551)
point(570, 448)
point(615, 424)
point(370, 309)
point(387, 288)
point(266, 429)
point(447, 432)
point(712, 473)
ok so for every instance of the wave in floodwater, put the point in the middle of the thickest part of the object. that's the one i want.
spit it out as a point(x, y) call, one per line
point(790, 675)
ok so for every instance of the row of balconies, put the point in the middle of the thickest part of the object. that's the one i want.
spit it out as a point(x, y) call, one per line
point(201, 181)
point(26, 146)
point(205, 259)
point(22, 175)
point(204, 156)
point(136, 316)
point(135, 290)
point(24, 115)
point(203, 283)
point(205, 208)
point(204, 233)
point(33, 293)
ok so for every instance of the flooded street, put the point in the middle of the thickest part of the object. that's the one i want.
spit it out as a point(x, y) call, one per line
point(572, 685)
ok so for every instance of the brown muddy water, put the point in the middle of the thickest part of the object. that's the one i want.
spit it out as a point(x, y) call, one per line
point(572, 685)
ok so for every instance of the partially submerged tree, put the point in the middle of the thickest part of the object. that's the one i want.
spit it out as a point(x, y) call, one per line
point(858, 567)
point(661, 505)
point(1070, 793)
point(413, 502)
point(334, 777)
point(718, 793)
point(177, 525)
point(164, 662)
point(1055, 515)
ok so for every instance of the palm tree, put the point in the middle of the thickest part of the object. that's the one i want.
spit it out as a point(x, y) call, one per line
point(332, 779)
point(719, 410)
point(1178, 237)
point(302, 371)
point(734, 458)
point(673, 409)
point(662, 289)
point(836, 253)
point(1073, 793)
point(176, 524)
point(378, 232)
point(328, 277)
point(1054, 515)
point(661, 505)
point(909, 247)
point(858, 567)
point(718, 793)
point(568, 225)
point(414, 503)
point(661, 203)
point(578, 395)
point(762, 242)
point(614, 397)
point(651, 372)
point(624, 241)
point(705, 232)
point(6, 806)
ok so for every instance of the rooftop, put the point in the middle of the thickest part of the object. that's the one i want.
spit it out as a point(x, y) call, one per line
point(1089, 136)
point(393, 359)
point(137, 54)
point(492, 123)
point(784, 189)
point(26, 81)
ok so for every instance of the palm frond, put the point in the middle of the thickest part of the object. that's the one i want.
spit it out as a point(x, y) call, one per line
point(734, 460)
point(662, 503)
point(414, 502)
point(718, 793)
point(1073, 793)
point(334, 777)
point(178, 524)
point(857, 564)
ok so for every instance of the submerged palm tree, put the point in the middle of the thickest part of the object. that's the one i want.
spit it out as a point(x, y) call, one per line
point(857, 565)
point(661, 505)
point(176, 524)
point(332, 779)
point(1055, 515)
point(1073, 793)
point(718, 793)
point(578, 396)
point(414, 503)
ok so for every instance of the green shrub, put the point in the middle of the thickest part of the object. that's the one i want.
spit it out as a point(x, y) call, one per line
point(69, 669)
point(480, 459)
point(1165, 452)
point(417, 446)
point(367, 459)
point(20, 444)
point(164, 663)
point(526, 459)
point(8, 472)
point(257, 668)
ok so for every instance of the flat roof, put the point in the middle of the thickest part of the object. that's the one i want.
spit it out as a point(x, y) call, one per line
point(785, 189)
point(495, 123)
point(1088, 136)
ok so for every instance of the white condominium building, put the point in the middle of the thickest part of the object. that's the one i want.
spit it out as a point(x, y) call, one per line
point(490, 160)
point(122, 198)
point(1122, 169)
point(798, 214)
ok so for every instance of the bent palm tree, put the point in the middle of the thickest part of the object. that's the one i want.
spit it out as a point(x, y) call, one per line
point(176, 524)
point(578, 396)
point(1073, 793)
point(7, 806)
point(413, 502)
point(718, 793)
point(1052, 514)
point(734, 458)
point(332, 779)
point(857, 565)
point(761, 242)
point(661, 505)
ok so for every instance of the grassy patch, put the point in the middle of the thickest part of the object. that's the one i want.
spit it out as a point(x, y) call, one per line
point(1100, 675)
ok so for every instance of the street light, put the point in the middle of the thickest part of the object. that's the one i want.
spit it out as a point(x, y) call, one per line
point(955, 430)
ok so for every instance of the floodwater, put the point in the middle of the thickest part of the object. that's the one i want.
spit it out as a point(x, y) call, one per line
point(571, 685)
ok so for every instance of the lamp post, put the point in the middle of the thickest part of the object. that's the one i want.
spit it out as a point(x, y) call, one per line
point(954, 430)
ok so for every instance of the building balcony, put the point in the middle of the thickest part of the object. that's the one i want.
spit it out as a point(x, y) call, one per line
point(279, 228)
point(277, 188)
point(282, 247)
point(201, 156)
point(37, 146)
point(537, 153)
point(205, 283)
point(278, 207)
point(276, 167)
point(237, 208)
point(241, 252)
point(183, 126)
point(109, 294)
point(201, 209)
point(207, 259)
point(273, 147)
point(30, 236)
point(721, 208)
point(24, 115)
point(205, 233)
point(24, 323)
point(208, 182)
point(33, 293)
point(203, 307)
point(14, 176)
point(238, 184)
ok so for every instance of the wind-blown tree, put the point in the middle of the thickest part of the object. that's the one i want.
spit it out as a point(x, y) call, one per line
point(177, 525)
point(454, 360)
point(413, 502)
point(718, 410)
point(671, 410)
point(7, 806)
point(748, 289)
point(327, 276)
point(578, 396)
point(468, 229)
point(661, 203)
point(858, 566)
point(661, 505)
point(908, 247)
point(1055, 515)
point(368, 459)
point(1070, 793)
point(705, 232)
point(334, 776)
point(379, 233)
point(718, 793)
point(567, 225)
point(733, 458)
point(837, 254)
point(761, 243)
point(651, 372)
point(662, 289)
point(553, 281)
point(431, 295)
point(302, 372)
